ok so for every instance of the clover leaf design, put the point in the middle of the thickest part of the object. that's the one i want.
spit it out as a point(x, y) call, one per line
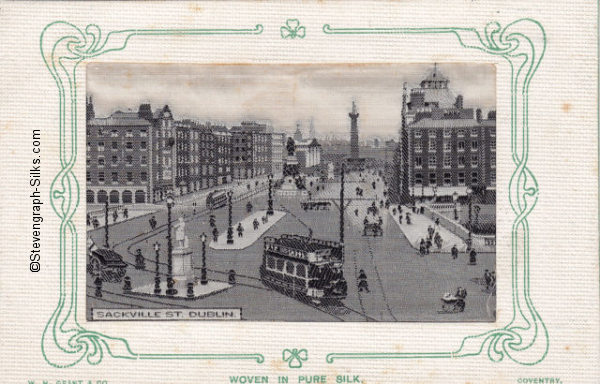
point(292, 29)
point(294, 357)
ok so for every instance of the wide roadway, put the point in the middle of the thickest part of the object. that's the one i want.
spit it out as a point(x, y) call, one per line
point(403, 286)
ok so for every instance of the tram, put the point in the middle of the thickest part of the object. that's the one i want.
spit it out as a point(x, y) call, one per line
point(216, 199)
point(306, 268)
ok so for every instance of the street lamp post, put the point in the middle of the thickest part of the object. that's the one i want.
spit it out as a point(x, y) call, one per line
point(230, 225)
point(170, 290)
point(106, 224)
point(270, 207)
point(470, 197)
point(455, 199)
point(157, 276)
point(203, 279)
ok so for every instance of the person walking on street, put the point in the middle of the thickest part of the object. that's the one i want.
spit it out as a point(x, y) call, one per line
point(215, 234)
point(125, 213)
point(240, 230)
point(363, 285)
point(454, 252)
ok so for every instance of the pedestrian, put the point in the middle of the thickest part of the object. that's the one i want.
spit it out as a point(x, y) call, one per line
point(88, 220)
point(488, 279)
point(255, 224)
point(454, 252)
point(473, 257)
point(215, 234)
point(96, 223)
point(400, 219)
point(428, 246)
point(115, 215)
point(430, 232)
point(249, 207)
point(408, 218)
point(140, 262)
point(126, 213)
point(437, 222)
point(394, 211)
point(240, 230)
point(438, 241)
point(363, 285)
point(356, 212)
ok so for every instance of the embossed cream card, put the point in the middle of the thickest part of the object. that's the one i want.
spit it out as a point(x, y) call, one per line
point(309, 192)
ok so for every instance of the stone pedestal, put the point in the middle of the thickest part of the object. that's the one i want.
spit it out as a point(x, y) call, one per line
point(182, 264)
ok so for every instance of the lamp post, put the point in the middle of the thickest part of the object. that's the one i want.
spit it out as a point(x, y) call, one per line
point(170, 290)
point(106, 224)
point(470, 197)
point(270, 207)
point(230, 227)
point(203, 279)
point(455, 199)
point(156, 275)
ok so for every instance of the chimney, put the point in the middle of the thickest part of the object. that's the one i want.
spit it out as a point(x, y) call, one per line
point(478, 115)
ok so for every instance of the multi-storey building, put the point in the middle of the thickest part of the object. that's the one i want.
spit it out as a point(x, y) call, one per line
point(196, 154)
point(251, 150)
point(118, 158)
point(164, 164)
point(278, 153)
point(443, 147)
point(222, 153)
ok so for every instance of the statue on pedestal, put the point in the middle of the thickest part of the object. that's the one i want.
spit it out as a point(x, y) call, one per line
point(181, 240)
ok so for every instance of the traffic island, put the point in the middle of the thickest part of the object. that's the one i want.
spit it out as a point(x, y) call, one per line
point(198, 291)
point(249, 234)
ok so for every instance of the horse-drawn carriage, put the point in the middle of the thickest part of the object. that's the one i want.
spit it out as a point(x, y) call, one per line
point(105, 263)
point(372, 229)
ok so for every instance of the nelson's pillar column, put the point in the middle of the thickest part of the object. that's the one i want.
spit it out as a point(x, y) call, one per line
point(354, 154)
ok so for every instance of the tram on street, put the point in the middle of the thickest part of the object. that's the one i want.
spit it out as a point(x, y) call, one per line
point(216, 199)
point(306, 268)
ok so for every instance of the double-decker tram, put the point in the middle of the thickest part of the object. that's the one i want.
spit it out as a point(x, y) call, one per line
point(306, 268)
point(216, 199)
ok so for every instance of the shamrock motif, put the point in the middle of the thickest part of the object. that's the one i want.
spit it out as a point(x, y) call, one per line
point(292, 29)
point(295, 357)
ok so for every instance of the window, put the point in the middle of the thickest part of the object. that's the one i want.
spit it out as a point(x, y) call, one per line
point(460, 133)
point(447, 132)
point(447, 178)
point(115, 177)
point(418, 162)
point(432, 179)
point(493, 161)
point(432, 161)
point(280, 264)
point(492, 145)
point(447, 146)
point(88, 176)
point(114, 160)
point(474, 160)
point(461, 145)
point(129, 145)
point(129, 176)
point(461, 178)
point(101, 176)
point(129, 160)
point(474, 178)
point(418, 178)
point(432, 143)
point(474, 144)
point(300, 270)
point(101, 161)
point(114, 133)
point(144, 160)
point(461, 160)
point(289, 268)
point(493, 132)
point(143, 145)
point(143, 176)
point(115, 145)
point(143, 133)
point(129, 133)
point(493, 177)
point(89, 146)
point(474, 131)
point(100, 132)
point(447, 161)
point(101, 145)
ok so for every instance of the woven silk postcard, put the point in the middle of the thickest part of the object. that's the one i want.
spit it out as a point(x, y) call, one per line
point(299, 192)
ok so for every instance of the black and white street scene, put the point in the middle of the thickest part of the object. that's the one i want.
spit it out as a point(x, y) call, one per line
point(291, 192)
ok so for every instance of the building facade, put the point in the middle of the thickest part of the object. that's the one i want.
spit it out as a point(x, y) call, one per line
point(444, 147)
point(278, 153)
point(118, 159)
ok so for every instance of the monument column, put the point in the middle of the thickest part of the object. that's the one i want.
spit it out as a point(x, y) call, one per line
point(354, 153)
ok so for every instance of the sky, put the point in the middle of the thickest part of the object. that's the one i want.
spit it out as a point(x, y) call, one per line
point(282, 94)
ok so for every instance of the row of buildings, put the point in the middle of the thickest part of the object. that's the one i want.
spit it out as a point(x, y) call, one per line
point(140, 157)
point(443, 147)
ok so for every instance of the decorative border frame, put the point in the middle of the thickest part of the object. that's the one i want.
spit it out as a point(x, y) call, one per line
point(63, 47)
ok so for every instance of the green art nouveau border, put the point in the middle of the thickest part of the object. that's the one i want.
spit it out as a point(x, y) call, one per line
point(64, 46)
